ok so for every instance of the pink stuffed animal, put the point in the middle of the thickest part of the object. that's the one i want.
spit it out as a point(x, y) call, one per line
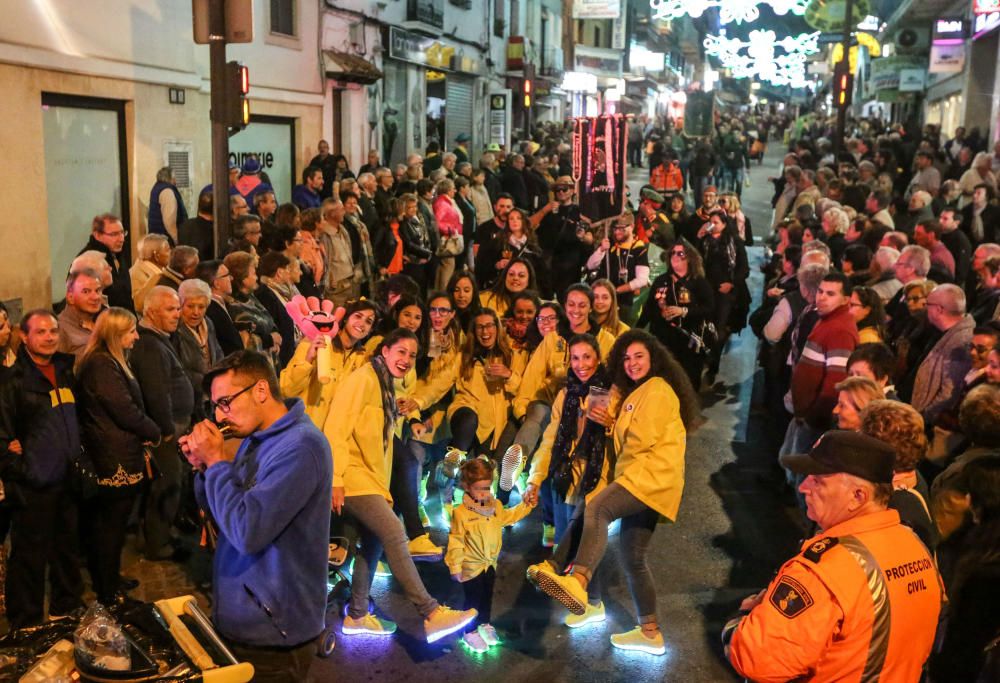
point(317, 318)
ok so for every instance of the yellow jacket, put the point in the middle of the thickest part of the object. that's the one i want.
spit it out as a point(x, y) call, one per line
point(432, 390)
point(543, 456)
point(491, 406)
point(299, 379)
point(618, 331)
point(488, 299)
point(545, 374)
point(475, 539)
point(361, 462)
point(649, 440)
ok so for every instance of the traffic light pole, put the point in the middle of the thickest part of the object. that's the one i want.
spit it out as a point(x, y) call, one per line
point(220, 130)
point(842, 67)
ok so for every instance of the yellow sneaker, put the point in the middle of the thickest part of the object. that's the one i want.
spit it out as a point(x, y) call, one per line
point(532, 572)
point(445, 621)
point(369, 624)
point(594, 614)
point(423, 548)
point(564, 588)
point(640, 642)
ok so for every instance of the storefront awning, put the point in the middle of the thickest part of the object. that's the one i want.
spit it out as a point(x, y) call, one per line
point(344, 66)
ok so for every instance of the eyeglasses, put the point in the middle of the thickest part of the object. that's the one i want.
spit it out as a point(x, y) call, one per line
point(117, 233)
point(680, 254)
point(915, 299)
point(440, 310)
point(225, 403)
point(547, 318)
point(486, 327)
point(563, 189)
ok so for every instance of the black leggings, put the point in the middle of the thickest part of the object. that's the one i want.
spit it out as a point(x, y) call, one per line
point(404, 487)
point(479, 596)
point(464, 424)
point(104, 520)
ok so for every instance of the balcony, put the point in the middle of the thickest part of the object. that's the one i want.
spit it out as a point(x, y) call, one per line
point(425, 15)
point(552, 63)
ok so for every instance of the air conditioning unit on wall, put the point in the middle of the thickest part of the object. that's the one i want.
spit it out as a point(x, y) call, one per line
point(912, 40)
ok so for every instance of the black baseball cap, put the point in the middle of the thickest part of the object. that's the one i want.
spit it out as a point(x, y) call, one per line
point(850, 452)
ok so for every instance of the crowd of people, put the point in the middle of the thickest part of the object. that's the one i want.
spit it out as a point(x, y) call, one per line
point(494, 344)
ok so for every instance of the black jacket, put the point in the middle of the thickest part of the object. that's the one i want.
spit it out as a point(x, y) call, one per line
point(416, 240)
point(286, 326)
point(113, 422)
point(225, 330)
point(166, 389)
point(119, 292)
point(42, 418)
point(961, 250)
point(693, 293)
point(199, 233)
point(513, 183)
point(493, 186)
point(991, 223)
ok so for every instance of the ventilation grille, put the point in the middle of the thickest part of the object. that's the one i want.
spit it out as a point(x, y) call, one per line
point(179, 162)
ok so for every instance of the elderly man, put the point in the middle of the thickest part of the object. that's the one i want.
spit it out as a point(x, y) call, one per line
point(835, 223)
point(913, 264)
point(988, 297)
point(217, 277)
point(383, 195)
point(38, 412)
point(84, 302)
point(883, 263)
point(808, 192)
point(939, 377)
point(340, 285)
point(107, 236)
point(926, 178)
point(919, 209)
point(182, 266)
point(861, 600)
point(877, 207)
point(169, 400)
point(491, 182)
point(514, 183)
point(166, 206)
point(154, 256)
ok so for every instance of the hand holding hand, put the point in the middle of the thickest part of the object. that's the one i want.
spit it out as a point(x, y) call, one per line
point(531, 495)
point(406, 405)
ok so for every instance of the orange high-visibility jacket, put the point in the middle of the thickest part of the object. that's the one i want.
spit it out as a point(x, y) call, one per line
point(666, 178)
point(859, 603)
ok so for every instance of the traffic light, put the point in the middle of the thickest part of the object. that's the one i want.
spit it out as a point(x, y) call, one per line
point(843, 87)
point(236, 110)
point(527, 93)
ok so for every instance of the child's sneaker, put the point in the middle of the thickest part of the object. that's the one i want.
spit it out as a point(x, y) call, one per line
point(475, 642)
point(422, 548)
point(446, 620)
point(511, 466)
point(452, 462)
point(488, 634)
point(369, 624)
point(639, 641)
point(593, 615)
point(548, 535)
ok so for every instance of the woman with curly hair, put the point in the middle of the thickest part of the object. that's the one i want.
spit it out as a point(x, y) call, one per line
point(902, 427)
point(656, 407)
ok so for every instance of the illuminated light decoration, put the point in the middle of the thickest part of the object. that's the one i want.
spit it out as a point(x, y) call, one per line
point(729, 10)
point(828, 15)
point(760, 59)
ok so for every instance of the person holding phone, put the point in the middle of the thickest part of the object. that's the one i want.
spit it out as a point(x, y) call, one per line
point(572, 455)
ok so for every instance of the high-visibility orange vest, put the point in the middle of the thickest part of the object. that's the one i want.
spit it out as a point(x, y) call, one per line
point(859, 603)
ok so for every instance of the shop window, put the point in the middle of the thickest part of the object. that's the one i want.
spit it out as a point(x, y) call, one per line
point(283, 17)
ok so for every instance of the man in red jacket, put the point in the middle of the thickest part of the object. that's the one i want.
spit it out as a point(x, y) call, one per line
point(822, 365)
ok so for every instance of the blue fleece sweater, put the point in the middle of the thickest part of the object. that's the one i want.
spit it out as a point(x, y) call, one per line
point(272, 508)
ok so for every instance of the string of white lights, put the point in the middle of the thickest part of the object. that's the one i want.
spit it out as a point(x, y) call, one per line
point(729, 10)
point(757, 57)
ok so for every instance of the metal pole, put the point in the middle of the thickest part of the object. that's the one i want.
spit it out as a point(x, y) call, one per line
point(843, 67)
point(220, 131)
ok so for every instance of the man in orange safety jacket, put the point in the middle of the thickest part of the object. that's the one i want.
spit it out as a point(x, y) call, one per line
point(860, 602)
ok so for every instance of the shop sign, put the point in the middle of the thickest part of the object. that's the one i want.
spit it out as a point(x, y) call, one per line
point(598, 63)
point(597, 9)
point(949, 30)
point(985, 6)
point(912, 80)
point(947, 59)
point(426, 51)
point(499, 117)
point(271, 143)
point(886, 70)
point(984, 23)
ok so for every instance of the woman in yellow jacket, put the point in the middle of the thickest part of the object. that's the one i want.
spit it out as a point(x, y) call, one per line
point(360, 428)
point(573, 458)
point(518, 276)
point(658, 408)
point(606, 308)
point(300, 378)
point(544, 376)
point(488, 378)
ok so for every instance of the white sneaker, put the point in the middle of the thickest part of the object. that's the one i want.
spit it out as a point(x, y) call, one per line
point(489, 634)
point(511, 466)
point(475, 642)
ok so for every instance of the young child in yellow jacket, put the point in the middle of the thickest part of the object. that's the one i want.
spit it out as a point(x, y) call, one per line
point(474, 545)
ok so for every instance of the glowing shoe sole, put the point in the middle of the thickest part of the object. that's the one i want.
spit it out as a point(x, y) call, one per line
point(634, 641)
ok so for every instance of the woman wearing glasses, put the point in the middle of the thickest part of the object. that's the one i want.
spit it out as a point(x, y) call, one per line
point(679, 307)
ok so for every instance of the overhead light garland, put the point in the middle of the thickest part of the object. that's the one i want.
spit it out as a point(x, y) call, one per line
point(757, 58)
point(729, 10)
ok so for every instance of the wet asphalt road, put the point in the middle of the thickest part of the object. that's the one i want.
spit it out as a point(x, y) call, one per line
point(734, 529)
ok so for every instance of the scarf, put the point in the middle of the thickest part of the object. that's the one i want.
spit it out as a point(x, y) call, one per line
point(386, 386)
point(486, 509)
point(515, 330)
point(440, 343)
point(590, 445)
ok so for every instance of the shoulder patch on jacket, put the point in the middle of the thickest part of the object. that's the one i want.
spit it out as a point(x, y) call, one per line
point(790, 597)
point(816, 550)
